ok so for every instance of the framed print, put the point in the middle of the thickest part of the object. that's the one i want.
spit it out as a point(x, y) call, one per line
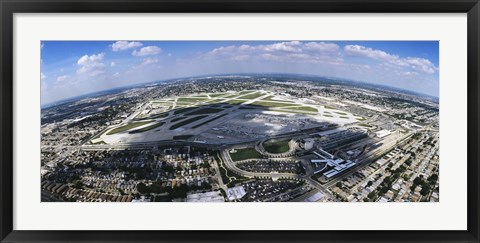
point(239, 121)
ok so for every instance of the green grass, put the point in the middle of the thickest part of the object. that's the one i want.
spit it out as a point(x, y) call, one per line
point(251, 96)
point(217, 94)
point(205, 111)
point(246, 92)
point(344, 117)
point(191, 99)
point(329, 107)
point(226, 174)
point(246, 153)
point(214, 101)
point(271, 104)
point(364, 125)
point(186, 122)
point(180, 111)
point(230, 96)
point(127, 127)
point(327, 115)
point(277, 147)
point(144, 129)
point(341, 113)
point(303, 108)
point(207, 121)
point(360, 118)
point(235, 102)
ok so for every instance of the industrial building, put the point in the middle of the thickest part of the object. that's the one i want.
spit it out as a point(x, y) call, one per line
point(382, 133)
point(337, 165)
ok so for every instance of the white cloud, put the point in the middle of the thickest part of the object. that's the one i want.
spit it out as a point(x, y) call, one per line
point(358, 50)
point(91, 65)
point(42, 76)
point(148, 61)
point(292, 51)
point(125, 45)
point(112, 64)
point(421, 64)
point(321, 46)
point(147, 51)
point(117, 74)
point(63, 78)
point(415, 63)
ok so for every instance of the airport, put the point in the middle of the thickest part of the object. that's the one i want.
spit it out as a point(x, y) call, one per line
point(241, 142)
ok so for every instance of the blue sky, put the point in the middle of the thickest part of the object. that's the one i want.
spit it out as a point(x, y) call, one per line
point(73, 68)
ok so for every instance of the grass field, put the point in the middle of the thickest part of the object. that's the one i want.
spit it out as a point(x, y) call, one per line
point(217, 94)
point(235, 102)
point(214, 101)
point(127, 127)
point(344, 117)
point(191, 99)
point(144, 129)
point(327, 115)
point(277, 147)
point(205, 111)
point(246, 153)
point(230, 96)
point(246, 92)
point(251, 96)
point(303, 108)
point(186, 122)
point(341, 113)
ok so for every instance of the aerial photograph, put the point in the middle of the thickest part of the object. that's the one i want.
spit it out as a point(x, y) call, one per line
point(239, 121)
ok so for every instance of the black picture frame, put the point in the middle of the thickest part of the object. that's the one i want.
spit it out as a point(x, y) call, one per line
point(9, 7)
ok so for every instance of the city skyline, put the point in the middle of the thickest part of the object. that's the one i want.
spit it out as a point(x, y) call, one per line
point(73, 68)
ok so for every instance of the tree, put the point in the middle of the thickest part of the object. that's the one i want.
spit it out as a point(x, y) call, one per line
point(384, 189)
point(339, 184)
point(369, 183)
point(417, 181)
point(433, 178)
point(425, 190)
point(142, 188)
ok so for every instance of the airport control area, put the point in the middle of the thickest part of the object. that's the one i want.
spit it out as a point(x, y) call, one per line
point(243, 138)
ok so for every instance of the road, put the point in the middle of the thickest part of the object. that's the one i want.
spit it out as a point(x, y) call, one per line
point(231, 166)
point(370, 157)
